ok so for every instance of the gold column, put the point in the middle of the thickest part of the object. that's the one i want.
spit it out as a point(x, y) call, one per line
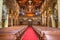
point(51, 16)
point(47, 21)
point(6, 17)
point(42, 19)
point(48, 18)
point(6, 21)
point(53, 21)
point(58, 13)
point(12, 18)
point(45, 17)
point(1, 2)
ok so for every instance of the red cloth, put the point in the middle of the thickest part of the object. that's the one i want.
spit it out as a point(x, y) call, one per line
point(29, 34)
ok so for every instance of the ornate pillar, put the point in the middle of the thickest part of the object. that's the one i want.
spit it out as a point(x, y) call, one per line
point(53, 21)
point(6, 21)
point(45, 17)
point(1, 2)
point(52, 17)
point(47, 21)
point(42, 19)
point(48, 17)
point(11, 18)
point(5, 14)
point(58, 13)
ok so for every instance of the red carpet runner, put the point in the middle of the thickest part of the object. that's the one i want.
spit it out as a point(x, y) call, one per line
point(29, 34)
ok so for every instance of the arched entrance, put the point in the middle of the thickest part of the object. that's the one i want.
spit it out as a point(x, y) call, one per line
point(30, 21)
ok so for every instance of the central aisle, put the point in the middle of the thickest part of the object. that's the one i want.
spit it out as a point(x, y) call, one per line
point(29, 34)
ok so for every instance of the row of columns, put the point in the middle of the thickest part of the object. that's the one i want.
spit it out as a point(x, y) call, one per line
point(6, 21)
point(50, 20)
point(13, 18)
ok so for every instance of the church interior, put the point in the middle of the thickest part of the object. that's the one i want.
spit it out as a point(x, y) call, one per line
point(29, 19)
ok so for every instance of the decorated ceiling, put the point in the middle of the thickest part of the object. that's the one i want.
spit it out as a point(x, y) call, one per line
point(32, 7)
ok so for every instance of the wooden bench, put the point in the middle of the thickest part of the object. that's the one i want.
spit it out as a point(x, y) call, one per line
point(7, 37)
point(40, 34)
point(48, 33)
point(17, 31)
